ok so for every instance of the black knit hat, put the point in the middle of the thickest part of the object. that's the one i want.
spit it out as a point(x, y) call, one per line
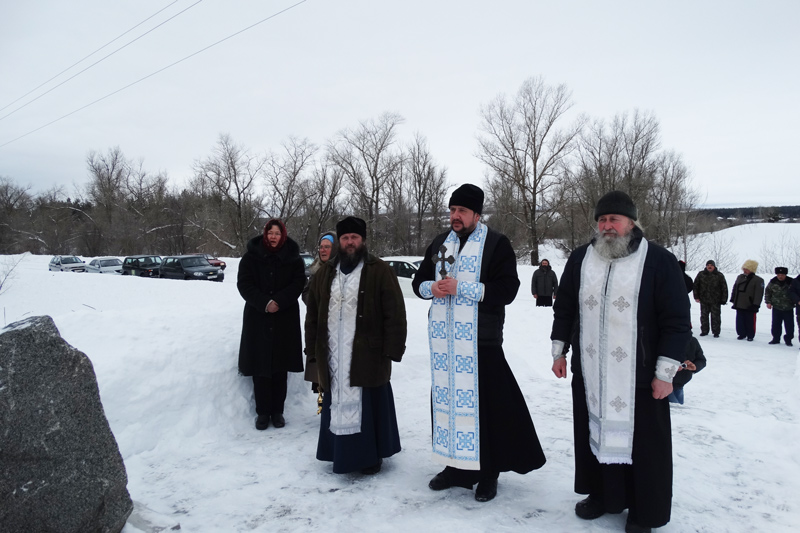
point(711, 262)
point(781, 270)
point(469, 196)
point(352, 225)
point(615, 203)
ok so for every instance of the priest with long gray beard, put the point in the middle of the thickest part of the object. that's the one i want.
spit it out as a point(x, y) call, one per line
point(355, 328)
point(622, 306)
point(481, 423)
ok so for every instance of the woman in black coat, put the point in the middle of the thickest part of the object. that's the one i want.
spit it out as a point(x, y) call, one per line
point(271, 278)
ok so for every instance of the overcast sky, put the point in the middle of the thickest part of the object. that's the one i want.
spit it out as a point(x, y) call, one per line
point(722, 78)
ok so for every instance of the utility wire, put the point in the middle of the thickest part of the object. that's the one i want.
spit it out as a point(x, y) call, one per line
point(96, 62)
point(156, 72)
point(88, 56)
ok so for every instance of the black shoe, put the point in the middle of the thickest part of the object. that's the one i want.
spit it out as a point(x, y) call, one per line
point(262, 422)
point(773, 341)
point(440, 481)
point(704, 334)
point(789, 343)
point(486, 491)
point(278, 421)
point(750, 339)
point(372, 470)
point(630, 527)
point(716, 335)
point(740, 337)
point(589, 508)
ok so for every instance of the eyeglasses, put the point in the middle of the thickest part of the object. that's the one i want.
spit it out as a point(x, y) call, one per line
point(325, 247)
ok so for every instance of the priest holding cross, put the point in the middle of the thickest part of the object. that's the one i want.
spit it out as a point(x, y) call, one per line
point(481, 424)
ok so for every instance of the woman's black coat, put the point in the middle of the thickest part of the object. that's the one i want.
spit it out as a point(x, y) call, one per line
point(271, 342)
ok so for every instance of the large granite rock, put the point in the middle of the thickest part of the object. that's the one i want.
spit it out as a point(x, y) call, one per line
point(60, 467)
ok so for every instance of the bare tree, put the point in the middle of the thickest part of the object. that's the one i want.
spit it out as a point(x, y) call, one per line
point(367, 157)
point(285, 174)
point(427, 185)
point(230, 174)
point(522, 141)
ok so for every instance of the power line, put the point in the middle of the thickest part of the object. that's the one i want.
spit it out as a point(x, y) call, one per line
point(88, 56)
point(156, 72)
point(95, 63)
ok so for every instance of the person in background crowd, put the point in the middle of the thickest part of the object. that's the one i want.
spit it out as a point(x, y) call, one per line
point(355, 328)
point(710, 291)
point(271, 278)
point(746, 297)
point(694, 361)
point(544, 284)
point(327, 249)
point(622, 306)
point(777, 298)
point(794, 295)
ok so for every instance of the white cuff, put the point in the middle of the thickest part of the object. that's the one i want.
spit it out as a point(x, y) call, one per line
point(557, 350)
point(471, 290)
point(425, 289)
point(666, 368)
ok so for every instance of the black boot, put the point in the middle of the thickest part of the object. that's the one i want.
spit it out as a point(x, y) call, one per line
point(487, 490)
point(262, 422)
point(590, 508)
point(277, 420)
point(372, 470)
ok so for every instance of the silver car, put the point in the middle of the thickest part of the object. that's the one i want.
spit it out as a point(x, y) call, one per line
point(67, 263)
point(105, 265)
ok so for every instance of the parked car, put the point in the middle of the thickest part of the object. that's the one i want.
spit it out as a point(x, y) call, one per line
point(405, 269)
point(190, 267)
point(105, 265)
point(215, 261)
point(307, 260)
point(146, 266)
point(67, 263)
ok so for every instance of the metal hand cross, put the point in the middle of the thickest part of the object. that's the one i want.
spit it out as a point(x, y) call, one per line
point(442, 259)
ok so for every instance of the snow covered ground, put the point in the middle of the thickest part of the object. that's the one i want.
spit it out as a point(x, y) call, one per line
point(165, 355)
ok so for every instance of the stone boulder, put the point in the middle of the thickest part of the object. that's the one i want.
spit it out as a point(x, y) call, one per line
point(60, 467)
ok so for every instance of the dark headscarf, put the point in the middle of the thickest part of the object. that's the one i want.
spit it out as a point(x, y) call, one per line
point(274, 222)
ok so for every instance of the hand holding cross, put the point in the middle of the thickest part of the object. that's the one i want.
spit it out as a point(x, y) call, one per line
point(442, 259)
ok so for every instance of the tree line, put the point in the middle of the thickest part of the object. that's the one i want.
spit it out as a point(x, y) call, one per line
point(544, 170)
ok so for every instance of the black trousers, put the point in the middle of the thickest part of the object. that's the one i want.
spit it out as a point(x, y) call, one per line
point(745, 323)
point(643, 487)
point(270, 393)
point(781, 320)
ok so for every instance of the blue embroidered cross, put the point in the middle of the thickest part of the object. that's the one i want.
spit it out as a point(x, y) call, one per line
point(463, 300)
point(468, 264)
point(440, 395)
point(464, 330)
point(441, 436)
point(466, 398)
point(437, 329)
point(464, 363)
point(465, 441)
point(469, 290)
point(440, 361)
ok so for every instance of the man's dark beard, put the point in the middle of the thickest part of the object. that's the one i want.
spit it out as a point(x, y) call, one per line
point(465, 231)
point(613, 247)
point(351, 260)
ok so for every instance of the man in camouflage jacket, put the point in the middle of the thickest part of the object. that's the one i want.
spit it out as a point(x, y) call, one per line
point(777, 298)
point(711, 291)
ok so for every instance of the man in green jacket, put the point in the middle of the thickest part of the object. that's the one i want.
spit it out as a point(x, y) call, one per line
point(777, 298)
point(710, 291)
point(355, 327)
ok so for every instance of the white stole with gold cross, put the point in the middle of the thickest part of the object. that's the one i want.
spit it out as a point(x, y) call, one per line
point(609, 301)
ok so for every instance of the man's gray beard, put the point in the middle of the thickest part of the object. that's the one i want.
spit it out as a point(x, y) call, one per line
point(351, 260)
point(612, 247)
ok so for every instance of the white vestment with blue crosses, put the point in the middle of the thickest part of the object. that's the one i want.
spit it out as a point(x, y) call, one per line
point(453, 336)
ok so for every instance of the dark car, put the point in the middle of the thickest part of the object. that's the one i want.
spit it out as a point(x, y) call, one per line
point(190, 267)
point(215, 261)
point(146, 266)
point(67, 263)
